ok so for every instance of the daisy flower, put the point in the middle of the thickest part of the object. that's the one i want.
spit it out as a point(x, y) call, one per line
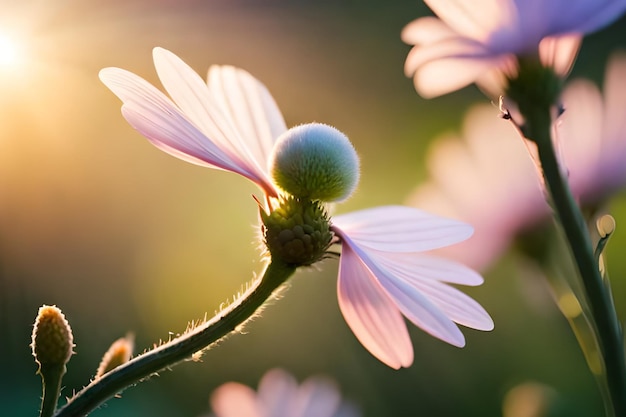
point(232, 123)
point(487, 176)
point(279, 395)
point(479, 41)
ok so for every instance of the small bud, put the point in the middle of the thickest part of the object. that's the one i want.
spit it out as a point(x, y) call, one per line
point(297, 232)
point(52, 340)
point(118, 354)
point(315, 162)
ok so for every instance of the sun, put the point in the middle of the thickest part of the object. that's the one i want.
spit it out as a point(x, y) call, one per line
point(10, 52)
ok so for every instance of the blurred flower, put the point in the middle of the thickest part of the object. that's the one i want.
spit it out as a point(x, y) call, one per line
point(381, 277)
point(489, 180)
point(478, 41)
point(279, 395)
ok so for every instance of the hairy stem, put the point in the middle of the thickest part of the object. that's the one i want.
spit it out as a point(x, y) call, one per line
point(180, 348)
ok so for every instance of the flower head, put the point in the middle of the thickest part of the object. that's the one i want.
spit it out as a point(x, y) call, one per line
point(487, 177)
point(232, 124)
point(279, 395)
point(478, 41)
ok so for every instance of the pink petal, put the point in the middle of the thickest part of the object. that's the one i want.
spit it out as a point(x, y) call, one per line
point(370, 313)
point(407, 298)
point(400, 229)
point(250, 108)
point(426, 30)
point(156, 117)
point(428, 275)
point(276, 392)
point(559, 52)
point(317, 397)
point(456, 47)
point(446, 75)
point(235, 400)
point(478, 19)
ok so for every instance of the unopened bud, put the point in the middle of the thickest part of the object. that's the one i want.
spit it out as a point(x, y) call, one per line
point(297, 232)
point(52, 340)
point(118, 354)
point(315, 162)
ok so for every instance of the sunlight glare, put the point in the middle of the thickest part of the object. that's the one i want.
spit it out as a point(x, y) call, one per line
point(10, 52)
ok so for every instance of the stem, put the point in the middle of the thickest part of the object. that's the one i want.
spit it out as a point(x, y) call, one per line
point(180, 348)
point(538, 122)
point(51, 376)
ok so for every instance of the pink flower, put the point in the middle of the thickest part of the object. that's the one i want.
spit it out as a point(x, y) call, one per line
point(478, 41)
point(488, 178)
point(231, 124)
point(279, 395)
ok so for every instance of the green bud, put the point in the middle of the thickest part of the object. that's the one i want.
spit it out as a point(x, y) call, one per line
point(315, 162)
point(297, 232)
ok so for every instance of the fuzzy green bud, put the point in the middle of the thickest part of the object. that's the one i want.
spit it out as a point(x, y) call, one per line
point(316, 162)
point(52, 340)
point(297, 232)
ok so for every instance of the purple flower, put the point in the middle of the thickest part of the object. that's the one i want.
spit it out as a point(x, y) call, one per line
point(478, 41)
point(279, 395)
point(488, 177)
point(231, 123)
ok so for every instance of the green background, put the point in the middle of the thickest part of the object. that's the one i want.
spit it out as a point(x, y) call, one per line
point(124, 238)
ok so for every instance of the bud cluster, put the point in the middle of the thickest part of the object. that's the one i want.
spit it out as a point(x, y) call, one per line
point(52, 340)
point(297, 232)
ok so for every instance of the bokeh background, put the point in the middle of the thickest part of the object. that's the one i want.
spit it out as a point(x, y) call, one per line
point(125, 238)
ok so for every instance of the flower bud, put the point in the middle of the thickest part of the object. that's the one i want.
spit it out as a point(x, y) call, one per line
point(52, 340)
point(297, 232)
point(118, 354)
point(315, 162)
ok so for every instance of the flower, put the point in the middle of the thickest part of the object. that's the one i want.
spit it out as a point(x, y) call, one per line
point(280, 396)
point(488, 177)
point(231, 124)
point(478, 41)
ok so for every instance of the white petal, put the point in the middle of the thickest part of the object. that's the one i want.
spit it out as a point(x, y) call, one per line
point(193, 97)
point(150, 112)
point(400, 229)
point(250, 107)
point(370, 313)
point(456, 47)
point(429, 275)
point(235, 400)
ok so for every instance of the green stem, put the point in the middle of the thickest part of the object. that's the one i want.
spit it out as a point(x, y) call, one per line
point(51, 376)
point(538, 122)
point(180, 348)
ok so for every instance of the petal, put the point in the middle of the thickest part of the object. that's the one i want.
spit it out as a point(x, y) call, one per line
point(317, 397)
point(446, 75)
point(150, 112)
point(479, 19)
point(426, 30)
point(277, 390)
point(193, 97)
point(429, 274)
point(235, 400)
point(559, 52)
point(370, 313)
point(250, 108)
point(400, 229)
point(456, 47)
point(407, 298)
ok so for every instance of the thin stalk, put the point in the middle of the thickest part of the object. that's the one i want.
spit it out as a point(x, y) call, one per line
point(610, 337)
point(180, 348)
